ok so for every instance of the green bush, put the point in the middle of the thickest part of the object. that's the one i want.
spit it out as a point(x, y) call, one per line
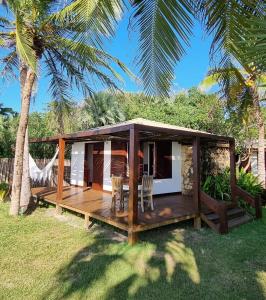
point(4, 189)
point(249, 183)
point(218, 186)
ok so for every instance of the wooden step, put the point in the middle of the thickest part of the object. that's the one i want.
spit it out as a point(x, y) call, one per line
point(231, 214)
point(239, 221)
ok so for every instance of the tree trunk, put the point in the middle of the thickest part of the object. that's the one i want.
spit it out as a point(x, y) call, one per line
point(20, 141)
point(261, 153)
point(25, 188)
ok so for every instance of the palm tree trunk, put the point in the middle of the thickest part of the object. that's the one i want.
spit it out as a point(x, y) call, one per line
point(261, 153)
point(20, 142)
point(25, 188)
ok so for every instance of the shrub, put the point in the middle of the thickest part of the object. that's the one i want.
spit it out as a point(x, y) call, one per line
point(4, 189)
point(218, 186)
point(249, 182)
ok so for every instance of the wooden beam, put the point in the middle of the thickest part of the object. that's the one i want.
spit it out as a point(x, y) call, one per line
point(133, 184)
point(233, 171)
point(196, 178)
point(118, 128)
point(60, 178)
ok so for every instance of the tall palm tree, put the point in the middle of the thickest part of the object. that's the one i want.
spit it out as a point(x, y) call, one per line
point(104, 109)
point(59, 113)
point(248, 90)
point(38, 40)
point(164, 29)
point(227, 22)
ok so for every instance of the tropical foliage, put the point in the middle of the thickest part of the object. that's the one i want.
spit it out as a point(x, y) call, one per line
point(218, 186)
point(4, 189)
point(45, 35)
point(104, 109)
point(249, 182)
point(193, 108)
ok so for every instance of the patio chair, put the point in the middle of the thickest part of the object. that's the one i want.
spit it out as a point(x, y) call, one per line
point(117, 192)
point(146, 191)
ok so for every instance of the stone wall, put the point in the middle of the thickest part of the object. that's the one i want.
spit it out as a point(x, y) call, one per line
point(213, 160)
point(186, 169)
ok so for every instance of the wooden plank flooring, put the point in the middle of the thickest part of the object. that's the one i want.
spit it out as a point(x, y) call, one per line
point(96, 204)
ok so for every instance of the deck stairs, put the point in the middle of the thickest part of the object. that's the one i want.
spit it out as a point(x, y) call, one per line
point(236, 216)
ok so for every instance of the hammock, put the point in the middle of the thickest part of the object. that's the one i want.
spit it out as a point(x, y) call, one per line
point(41, 175)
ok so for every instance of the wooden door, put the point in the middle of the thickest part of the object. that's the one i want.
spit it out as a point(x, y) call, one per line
point(98, 159)
point(118, 158)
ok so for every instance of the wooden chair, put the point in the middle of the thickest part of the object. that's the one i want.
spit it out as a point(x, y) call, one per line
point(146, 191)
point(117, 192)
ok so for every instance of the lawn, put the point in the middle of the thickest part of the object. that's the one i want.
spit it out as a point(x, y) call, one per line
point(47, 257)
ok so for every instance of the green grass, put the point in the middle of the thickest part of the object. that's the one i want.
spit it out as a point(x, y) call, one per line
point(42, 257)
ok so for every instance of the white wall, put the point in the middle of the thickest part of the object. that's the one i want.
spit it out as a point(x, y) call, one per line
point(107, 182)
point(160, 186)
point(77, 163)
point(254, 162)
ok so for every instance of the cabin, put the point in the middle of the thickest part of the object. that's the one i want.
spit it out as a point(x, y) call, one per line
point(174, 157)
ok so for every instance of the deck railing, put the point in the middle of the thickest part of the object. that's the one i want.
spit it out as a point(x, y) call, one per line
point(218, 207)
point(255, 202)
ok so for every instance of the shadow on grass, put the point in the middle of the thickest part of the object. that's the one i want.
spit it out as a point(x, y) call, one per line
point(170, 263)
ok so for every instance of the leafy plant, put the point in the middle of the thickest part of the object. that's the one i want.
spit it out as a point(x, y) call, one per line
point(4, 189)
point(249, 182)
point(218, 186)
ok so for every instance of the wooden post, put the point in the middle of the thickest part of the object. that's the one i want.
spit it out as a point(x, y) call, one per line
point(233, 171)
point(133, 184)
point(87, 221)
point(196, 179)
point(60, 178)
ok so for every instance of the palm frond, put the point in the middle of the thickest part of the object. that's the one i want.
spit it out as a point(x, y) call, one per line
point(24, 43)
point(96, 18)
point(59, 87)
point(93, 56)
point(165, 27)
point(10, 65)
point(253, 43)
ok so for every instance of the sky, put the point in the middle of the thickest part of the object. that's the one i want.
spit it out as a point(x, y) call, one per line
point(188, 73)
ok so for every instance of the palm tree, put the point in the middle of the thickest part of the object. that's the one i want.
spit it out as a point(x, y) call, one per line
point(104, 109)
point(253, 43)
point(165, 27)
point(38, 40)
point(59, 114)
point(248, 90)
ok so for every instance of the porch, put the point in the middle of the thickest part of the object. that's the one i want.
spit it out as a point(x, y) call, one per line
point(96, 205)
point(95, 202)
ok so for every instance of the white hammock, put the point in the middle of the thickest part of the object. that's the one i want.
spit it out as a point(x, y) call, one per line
point(41, 175)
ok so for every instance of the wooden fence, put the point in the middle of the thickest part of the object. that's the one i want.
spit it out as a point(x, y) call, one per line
point(7, 164)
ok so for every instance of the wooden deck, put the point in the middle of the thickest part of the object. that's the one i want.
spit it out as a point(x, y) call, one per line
point(97, 205)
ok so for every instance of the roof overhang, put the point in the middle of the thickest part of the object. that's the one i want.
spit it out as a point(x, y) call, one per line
point(148, 130)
